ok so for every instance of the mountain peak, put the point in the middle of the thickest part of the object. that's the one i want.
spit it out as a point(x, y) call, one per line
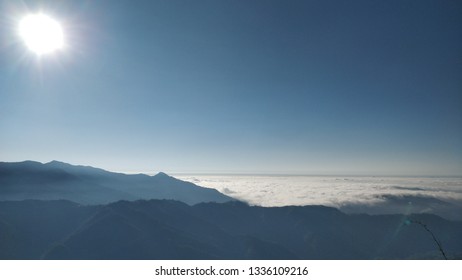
point(90, 185)
point(57, 163)
point(162, 175)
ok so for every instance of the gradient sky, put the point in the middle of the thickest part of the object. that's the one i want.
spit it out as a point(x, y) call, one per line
point(256, 86)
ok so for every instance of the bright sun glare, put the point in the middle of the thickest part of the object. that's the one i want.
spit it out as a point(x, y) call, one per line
point(41, 34)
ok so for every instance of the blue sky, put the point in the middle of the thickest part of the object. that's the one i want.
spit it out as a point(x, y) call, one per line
point(221, 86)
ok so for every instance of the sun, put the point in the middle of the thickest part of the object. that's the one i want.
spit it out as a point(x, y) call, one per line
point(41, 33)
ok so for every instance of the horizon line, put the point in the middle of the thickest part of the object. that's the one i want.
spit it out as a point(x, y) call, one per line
point(243, 173)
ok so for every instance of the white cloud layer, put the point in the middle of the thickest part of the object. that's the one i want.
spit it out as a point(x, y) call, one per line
point(352, 194)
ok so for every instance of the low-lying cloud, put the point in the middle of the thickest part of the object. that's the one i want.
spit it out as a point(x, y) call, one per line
point(373, 195)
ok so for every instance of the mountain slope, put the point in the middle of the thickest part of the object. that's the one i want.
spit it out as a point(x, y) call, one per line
point(165, 229)
point(88, 185)
point(27, 228)
point(158, 230)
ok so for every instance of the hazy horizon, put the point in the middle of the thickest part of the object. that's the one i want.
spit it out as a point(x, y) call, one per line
point(242, 173)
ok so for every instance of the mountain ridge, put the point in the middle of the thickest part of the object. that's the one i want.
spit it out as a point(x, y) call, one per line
point(90, 185)
point(168, 229)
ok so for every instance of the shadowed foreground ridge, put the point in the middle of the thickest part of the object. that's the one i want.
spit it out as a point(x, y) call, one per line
point(165, 229)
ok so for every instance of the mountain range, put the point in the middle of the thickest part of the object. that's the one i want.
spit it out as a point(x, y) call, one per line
point(61, 211)
point(90, 186)
point(167, 229)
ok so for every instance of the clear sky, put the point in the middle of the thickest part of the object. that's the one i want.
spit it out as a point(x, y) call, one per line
point(255, 86)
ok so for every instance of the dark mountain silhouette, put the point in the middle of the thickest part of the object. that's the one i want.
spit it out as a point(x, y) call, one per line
point(165, 229)
point(88, 185)
point(27, 228)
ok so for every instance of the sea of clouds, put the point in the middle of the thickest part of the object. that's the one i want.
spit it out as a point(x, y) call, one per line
point(372, 195)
